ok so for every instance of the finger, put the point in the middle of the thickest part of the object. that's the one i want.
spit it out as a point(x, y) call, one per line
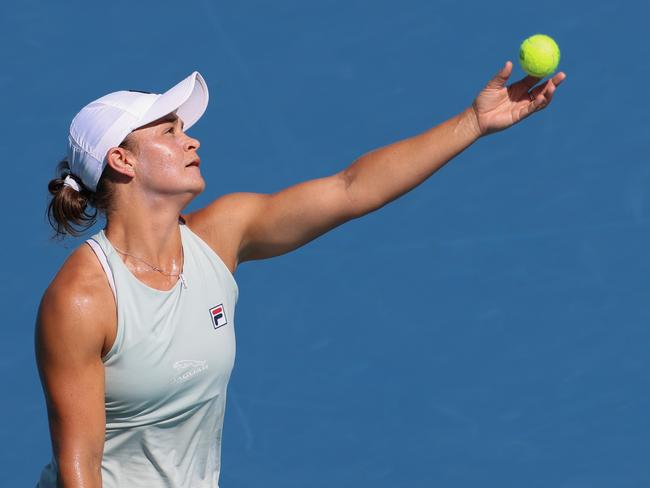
point(536, 92)
point(499, 80)
point(559, 78)
point(547, 89)
point(542, 95)
point(529, 81)
point(547, 96)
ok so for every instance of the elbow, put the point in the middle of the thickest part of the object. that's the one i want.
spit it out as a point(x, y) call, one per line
point(359, 202)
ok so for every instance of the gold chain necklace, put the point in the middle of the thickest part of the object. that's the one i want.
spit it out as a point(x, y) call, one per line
point(156, 268)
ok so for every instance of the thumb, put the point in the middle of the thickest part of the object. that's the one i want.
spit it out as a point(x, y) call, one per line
point(500, 79)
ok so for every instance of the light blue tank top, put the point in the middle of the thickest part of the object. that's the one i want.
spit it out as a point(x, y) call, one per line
point(167, 372)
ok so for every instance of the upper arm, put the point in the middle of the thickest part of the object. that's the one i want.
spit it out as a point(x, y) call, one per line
point(266, 225)
point(68, 346)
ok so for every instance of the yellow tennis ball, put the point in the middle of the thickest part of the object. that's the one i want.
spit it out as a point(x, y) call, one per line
point(539, 55)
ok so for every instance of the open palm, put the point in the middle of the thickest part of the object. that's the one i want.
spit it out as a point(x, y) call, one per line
point(498, 106)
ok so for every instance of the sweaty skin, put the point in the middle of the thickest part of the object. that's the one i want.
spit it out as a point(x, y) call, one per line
point(157, 181)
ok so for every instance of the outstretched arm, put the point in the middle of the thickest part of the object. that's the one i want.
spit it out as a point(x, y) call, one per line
point(385, 174)
point(270, 225)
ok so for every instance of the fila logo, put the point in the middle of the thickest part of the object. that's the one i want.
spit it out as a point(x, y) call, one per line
point(218, 315)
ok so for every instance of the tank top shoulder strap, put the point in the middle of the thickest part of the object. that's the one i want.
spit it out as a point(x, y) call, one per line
point(101, 256)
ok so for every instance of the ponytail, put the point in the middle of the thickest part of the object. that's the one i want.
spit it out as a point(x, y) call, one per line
point(71, 212)
point(68, 211)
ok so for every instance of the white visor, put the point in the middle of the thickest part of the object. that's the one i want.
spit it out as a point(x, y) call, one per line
point(105, 122)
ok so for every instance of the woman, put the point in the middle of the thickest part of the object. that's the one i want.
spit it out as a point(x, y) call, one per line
point(134, 335)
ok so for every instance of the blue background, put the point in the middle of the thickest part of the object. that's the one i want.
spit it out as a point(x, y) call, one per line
point(488, 328)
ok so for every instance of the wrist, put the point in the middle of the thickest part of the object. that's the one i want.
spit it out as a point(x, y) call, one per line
point(469, 120)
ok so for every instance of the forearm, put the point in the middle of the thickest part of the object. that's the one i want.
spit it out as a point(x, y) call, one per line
point(79, 478)
point(78, 473)
point(382, 175)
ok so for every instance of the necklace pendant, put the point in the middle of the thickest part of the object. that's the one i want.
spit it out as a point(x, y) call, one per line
point(182, 278)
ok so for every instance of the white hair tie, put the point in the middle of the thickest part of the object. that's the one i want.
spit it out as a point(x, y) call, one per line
point(72, 183)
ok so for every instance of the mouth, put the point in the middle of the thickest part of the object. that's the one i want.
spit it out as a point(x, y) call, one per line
point(196, 162)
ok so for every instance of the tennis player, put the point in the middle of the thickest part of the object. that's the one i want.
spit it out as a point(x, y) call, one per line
point(135, 334)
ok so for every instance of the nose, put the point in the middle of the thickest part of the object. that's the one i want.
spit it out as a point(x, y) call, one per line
point(192, 143)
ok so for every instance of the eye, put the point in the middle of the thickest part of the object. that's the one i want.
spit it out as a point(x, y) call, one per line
point(171, 129)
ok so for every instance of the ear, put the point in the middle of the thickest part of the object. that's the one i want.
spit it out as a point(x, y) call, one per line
point(121, 160)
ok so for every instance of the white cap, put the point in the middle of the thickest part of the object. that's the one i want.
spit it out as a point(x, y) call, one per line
point(105, 122)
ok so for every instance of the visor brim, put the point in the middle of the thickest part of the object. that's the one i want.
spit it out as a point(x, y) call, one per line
point(189, 99)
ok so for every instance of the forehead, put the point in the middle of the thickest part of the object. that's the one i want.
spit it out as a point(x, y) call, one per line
point(172, 117)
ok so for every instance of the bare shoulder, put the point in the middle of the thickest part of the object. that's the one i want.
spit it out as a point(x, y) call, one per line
point(78, 306)
point(223, 223)
point(69, 340)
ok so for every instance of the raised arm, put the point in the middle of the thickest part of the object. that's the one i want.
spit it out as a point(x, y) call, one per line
point(268, 225)
point(69, 339)
point(383, 175)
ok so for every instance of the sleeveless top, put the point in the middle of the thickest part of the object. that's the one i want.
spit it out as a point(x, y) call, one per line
point(167, 372)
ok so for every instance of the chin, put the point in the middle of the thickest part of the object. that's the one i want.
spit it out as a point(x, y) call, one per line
point(198, 187)
point(192, 187)
point(196, 184)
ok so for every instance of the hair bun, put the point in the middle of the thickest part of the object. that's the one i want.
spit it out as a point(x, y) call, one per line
point(68, 211)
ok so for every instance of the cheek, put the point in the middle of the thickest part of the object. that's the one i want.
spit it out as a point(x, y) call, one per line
point(161, 162)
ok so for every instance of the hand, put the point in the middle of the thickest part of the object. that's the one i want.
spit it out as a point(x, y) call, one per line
point(499, 106)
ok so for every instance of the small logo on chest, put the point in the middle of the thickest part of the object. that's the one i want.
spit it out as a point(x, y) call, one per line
point(218, 316)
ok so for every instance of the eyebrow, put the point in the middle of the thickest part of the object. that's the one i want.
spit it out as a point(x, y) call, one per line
point(173, 120)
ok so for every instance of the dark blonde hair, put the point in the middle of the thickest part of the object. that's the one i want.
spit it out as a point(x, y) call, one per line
point(71, 212)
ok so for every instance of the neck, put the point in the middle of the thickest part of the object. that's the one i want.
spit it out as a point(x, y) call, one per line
point(150, 232)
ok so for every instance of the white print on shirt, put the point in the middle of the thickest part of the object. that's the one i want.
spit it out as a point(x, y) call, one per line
point(189, 369)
